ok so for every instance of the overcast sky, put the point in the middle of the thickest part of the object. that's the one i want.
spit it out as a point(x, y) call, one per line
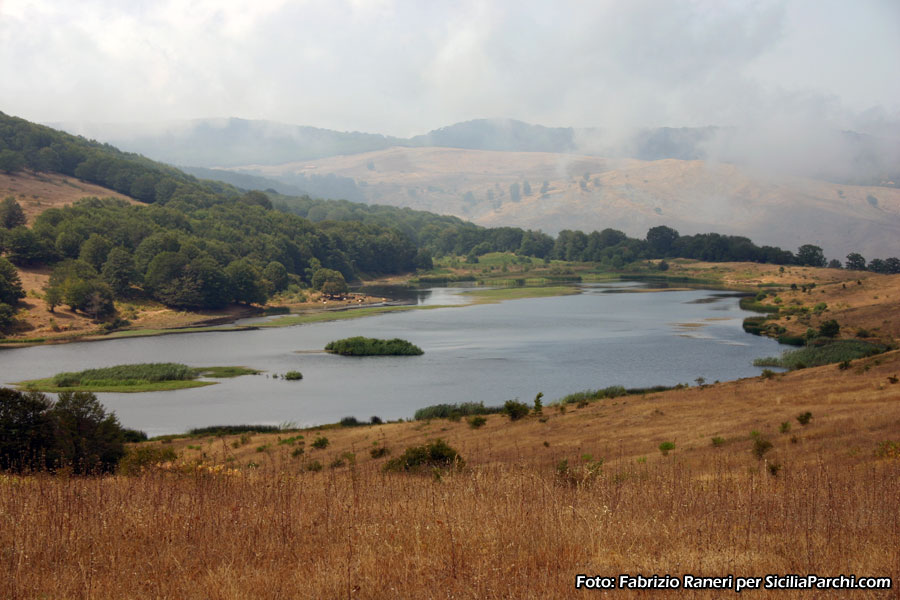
point(402, 68)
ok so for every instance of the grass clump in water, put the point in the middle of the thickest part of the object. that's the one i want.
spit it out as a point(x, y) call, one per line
point(140, 377)
point(363, 346)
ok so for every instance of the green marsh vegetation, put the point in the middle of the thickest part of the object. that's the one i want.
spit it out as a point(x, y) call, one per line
point(363, 346)
point(140, 377)
point(822, 352)
point(463, 409)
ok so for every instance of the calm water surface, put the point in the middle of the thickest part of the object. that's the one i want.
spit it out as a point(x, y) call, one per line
point(488, 353)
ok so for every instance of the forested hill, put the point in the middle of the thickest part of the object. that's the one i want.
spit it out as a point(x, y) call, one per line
point(201, 244)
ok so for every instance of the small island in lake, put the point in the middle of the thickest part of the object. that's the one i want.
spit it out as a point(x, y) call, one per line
point(363, 346)
point(141, 377)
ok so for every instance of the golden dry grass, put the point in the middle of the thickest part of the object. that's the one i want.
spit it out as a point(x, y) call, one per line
point(37, 192)
point(506, 526)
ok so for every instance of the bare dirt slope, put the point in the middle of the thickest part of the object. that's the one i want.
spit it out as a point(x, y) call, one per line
point(586, 192)
point(36, 192)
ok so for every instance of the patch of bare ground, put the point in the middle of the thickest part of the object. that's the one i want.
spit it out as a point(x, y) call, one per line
point(36, 192)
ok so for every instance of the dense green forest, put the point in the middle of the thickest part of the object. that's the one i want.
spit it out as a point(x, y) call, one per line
point(203, 244)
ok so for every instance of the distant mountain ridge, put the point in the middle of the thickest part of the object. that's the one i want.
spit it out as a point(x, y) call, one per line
point(841, 157)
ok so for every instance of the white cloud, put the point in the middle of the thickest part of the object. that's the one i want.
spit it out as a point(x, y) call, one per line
point(402, 67)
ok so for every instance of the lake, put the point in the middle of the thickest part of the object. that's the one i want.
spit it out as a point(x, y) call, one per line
point(485, 353)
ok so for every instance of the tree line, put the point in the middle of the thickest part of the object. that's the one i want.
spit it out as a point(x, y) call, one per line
point(201, 244)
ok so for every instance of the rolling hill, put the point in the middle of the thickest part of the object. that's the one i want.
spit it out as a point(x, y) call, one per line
point(569, 191)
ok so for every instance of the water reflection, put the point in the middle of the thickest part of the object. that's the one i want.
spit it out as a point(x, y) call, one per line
point(489, 353)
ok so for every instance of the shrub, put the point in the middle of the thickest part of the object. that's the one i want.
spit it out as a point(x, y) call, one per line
point(829, 329)
point(297, 452)
point(579, 475)
point(445, 411)
point(888, 449)
point(220, 430)
point(515, 410)
point(477, 421)
point(350, 422)
point(760, 447)
point(138, 458)
point(133, 436)
point(768, 373)
point(434, 454)
point(774, 468)
point(379, 452)
point(718, 441)
point(293, 376)
point(613, 391)
point(320, 442)
point(314, 466)
point(804, 418)
point(375, 420)
point(290, 441)
point(665, 447)
point(785, 427)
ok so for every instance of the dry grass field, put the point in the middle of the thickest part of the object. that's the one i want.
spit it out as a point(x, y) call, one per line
point(245, 517)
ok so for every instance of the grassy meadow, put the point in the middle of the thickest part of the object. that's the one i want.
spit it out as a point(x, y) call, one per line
point(540, 499)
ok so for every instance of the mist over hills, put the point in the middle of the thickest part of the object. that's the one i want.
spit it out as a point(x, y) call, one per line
point(837, 156)
point(836, 189)
point(552, 192)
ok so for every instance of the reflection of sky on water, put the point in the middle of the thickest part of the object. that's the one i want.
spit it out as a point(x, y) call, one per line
point(488, 353)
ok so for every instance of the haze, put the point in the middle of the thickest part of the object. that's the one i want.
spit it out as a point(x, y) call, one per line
point(402, 68)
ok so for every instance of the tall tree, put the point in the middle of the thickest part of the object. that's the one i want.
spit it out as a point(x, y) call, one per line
point(661, 239)
point(88, 438)
point(10, 285)
point(246, 284)
point(809, 255)
point(856, 262)
point(118, 270)
point(11, 213)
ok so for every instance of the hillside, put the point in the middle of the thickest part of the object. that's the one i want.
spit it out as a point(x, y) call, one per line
point(36, 192)
point(587, 192)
